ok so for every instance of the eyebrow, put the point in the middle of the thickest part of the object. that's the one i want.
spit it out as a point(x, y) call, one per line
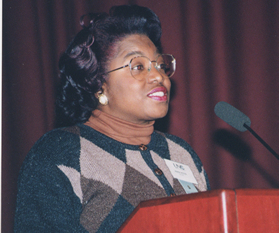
point(133, 53)
point(139, 53)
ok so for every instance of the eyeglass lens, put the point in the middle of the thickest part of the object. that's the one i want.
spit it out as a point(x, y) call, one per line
point(141, 66)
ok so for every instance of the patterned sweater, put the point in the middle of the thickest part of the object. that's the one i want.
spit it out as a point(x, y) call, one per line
point(76, 179)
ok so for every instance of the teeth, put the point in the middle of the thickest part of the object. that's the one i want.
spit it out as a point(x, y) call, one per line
point(160, 93)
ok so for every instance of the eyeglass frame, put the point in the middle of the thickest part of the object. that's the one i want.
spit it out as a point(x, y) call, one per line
point(174, 60)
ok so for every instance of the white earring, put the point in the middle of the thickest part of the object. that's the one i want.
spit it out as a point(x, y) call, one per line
point(103, 99)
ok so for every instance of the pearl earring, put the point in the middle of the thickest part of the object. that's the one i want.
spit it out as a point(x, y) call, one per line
point(103, 99)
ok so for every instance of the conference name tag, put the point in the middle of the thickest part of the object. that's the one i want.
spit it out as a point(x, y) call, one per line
point(181, 171)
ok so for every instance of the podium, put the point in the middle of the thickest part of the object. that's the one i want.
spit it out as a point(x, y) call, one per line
point(233, 211)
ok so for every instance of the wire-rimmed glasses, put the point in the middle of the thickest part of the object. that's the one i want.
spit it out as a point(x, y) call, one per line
point(140, 66)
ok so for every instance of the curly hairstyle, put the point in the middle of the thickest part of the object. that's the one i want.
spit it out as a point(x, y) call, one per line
point(84, 63)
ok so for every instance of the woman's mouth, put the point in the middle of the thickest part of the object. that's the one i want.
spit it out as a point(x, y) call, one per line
point(158, 94)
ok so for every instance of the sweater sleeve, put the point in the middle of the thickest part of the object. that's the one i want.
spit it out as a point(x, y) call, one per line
point(46, 201)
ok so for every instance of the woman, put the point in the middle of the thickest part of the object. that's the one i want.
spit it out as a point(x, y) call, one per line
point(90, 176)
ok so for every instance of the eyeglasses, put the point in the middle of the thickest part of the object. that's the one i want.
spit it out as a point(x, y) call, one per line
point(140, 66)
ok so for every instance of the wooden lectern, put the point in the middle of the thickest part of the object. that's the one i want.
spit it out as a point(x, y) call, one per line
point(240, 210)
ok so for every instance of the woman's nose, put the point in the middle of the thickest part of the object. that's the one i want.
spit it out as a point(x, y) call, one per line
point(156, 75)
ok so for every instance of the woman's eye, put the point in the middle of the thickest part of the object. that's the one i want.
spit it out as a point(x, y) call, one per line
point(162, 66)
point(138, 67)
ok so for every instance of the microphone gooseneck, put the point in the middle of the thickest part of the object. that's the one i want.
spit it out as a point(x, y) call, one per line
point(238, 120)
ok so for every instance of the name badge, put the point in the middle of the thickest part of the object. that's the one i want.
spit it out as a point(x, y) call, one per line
point(181, 171)
point(188, 187)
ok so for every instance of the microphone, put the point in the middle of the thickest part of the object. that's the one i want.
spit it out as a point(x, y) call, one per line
point(232, 116)
point(239, 121)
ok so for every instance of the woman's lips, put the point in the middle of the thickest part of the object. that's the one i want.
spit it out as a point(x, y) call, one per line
point(159, 94)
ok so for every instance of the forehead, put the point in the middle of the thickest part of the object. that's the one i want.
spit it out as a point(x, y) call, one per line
point(135, 44)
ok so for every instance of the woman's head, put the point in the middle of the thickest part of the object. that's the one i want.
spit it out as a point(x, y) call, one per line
point(137, 87)
point(85, 64)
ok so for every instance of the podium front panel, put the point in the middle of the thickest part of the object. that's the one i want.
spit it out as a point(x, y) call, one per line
point(201, 212)
point(228, 211)
point(257, 210)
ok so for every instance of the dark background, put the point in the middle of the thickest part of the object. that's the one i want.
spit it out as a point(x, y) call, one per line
point(225, 51)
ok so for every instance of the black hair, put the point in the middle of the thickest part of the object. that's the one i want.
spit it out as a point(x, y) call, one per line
point(84, 63)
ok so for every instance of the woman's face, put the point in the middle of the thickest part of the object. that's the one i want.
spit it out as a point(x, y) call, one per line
point(137, 101)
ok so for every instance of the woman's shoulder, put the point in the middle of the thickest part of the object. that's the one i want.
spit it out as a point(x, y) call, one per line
point(56, 146)
point(181, 142)
point(58, 137)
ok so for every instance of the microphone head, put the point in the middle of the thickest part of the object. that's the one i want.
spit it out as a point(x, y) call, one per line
point(232, 116)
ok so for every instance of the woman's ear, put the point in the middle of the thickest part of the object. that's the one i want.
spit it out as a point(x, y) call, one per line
point(101, 96)
point(101, 91)
point(104, 88)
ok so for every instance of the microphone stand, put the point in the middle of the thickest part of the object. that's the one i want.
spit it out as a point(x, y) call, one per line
point(261, 140)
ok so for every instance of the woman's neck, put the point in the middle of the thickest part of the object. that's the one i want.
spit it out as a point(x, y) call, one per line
point(120, 130)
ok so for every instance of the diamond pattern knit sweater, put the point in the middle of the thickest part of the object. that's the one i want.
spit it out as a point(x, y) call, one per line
point(76, 179)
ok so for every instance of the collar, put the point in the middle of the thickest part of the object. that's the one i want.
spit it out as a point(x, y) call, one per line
point(120, 130)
